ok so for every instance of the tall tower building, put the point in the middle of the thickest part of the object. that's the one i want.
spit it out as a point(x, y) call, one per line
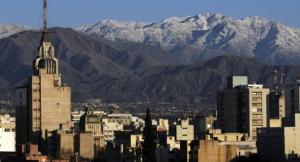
point(242, 109)
point(43, 103)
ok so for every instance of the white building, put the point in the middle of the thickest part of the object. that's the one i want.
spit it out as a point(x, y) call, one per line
point(7, 133)
point(110, 128)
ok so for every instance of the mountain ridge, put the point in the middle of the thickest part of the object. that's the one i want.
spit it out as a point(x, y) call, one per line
point(204, 36)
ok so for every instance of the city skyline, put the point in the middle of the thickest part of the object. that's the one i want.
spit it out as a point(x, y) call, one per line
point(77, 13)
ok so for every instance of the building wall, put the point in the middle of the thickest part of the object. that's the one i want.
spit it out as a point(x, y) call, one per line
point(85, 145)
point(292, 137)
point(227, 110)
point(55, 103)
point(271, 138)
point(66, 146)
point(21, 116)
point(213, 151)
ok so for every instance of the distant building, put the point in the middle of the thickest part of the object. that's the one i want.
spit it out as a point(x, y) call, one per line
point(124, 119)
point(185, 131)
point(245, 147)
point(281, 143)
point(185, 135)
point(163, 125)
point(203, 124)
point(90, 122)
point(243, 109)
point(109, 130)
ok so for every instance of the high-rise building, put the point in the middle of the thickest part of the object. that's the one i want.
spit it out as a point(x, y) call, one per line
point(44, 102)
point(242, 109)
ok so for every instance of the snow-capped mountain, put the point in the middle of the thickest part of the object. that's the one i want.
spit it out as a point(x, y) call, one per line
point(8, 30)
point(208, 35)
point(202, 37)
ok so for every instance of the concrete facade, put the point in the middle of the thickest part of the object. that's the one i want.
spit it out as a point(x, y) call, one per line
point(214, 151)
point(85, 146)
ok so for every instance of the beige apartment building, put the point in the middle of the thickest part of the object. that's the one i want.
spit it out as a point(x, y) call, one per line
point(257, 108)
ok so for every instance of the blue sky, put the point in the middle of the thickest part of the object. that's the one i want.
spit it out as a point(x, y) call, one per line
point(73, 13)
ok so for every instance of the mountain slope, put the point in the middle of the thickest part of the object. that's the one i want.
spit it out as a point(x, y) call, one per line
point(82, 58)
point(206, 36)
point(122, 71)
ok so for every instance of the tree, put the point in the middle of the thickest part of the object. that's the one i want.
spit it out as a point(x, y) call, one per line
point(149, 144)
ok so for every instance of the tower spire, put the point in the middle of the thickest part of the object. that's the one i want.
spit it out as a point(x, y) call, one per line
point(45, 58)
point(45, 15)
point(45, 22)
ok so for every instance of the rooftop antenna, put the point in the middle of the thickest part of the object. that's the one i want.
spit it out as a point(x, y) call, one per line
point(45, 15)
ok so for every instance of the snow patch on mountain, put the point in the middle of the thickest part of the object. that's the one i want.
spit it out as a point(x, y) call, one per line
point(8, 30)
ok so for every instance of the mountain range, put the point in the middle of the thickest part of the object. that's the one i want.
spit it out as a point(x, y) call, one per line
point(176, 60)
point(205, 36)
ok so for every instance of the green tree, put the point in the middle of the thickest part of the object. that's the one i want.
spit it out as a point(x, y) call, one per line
point(149, 144)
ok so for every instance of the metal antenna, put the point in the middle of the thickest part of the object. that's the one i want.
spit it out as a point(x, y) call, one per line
point(45, 15)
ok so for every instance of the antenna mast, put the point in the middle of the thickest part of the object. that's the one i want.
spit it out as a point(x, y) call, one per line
point(45, 15)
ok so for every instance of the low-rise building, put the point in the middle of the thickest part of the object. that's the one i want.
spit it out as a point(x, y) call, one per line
point(7, 133)
point(92, 122)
